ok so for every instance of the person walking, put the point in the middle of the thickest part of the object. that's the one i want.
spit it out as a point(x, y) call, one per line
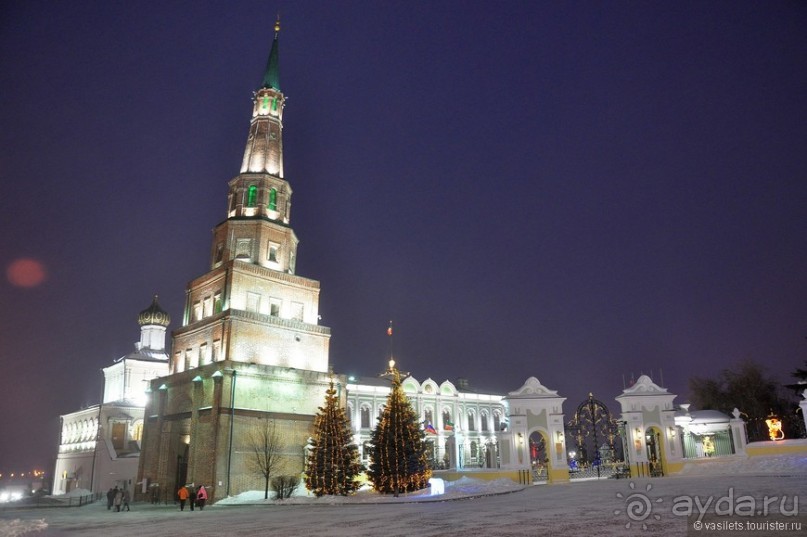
point(192, 496)
point(110, 498)
point(182, 494)
point(118, 499)
point(127, 497)
point(201, 497)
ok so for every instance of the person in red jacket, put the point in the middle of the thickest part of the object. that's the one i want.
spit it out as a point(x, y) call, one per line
point(201, 497)
point(182, 494)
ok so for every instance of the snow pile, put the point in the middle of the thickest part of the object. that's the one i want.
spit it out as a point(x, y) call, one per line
point(464, 487)
point(17, 527)
point(75, 493)
point(773, 465)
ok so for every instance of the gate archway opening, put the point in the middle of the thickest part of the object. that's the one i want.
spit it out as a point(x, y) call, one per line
point(539, 457)
point(595, 447)
point(655, 451)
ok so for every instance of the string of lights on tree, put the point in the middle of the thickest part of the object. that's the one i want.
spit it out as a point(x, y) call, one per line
point(333, 459)
point(398, 457)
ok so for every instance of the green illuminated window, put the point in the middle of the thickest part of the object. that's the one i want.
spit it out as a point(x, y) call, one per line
point(273, 199)
point(252, 195)
point(274, 104)
point(265, 103)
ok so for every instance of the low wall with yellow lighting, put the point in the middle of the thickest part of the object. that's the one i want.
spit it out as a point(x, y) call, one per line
point(777, 447)
point(487, 475)
point(674, 467)
point(559, 475)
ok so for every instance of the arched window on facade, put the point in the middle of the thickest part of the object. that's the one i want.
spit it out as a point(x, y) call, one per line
point(471, 420)
point(497, 421)
point(427, 416)
point(272, 205)
point(474, 451)
point(448, 425)
point(365, 417)
point(137, 431)
point(252, 195)
point(484, 418)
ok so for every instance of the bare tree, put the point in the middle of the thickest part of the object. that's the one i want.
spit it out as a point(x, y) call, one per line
point(266, 451)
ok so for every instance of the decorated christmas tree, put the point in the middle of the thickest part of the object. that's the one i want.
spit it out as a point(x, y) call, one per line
point(333, 459)
point(399, 461)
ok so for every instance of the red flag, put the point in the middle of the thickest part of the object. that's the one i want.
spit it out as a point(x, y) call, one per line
point(389, 330)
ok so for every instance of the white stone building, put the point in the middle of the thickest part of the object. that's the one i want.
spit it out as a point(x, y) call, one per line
point(463, 426)
point(100, 445)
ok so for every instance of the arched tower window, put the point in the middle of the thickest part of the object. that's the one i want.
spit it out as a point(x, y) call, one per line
point(365, 417)
point(273, 199)
point(252, 195)
point(137, 431)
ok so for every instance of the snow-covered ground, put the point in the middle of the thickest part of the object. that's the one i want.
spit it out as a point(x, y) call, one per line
point(469, 507)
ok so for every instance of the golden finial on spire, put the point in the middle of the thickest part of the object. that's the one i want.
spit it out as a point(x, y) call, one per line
point(277, 23)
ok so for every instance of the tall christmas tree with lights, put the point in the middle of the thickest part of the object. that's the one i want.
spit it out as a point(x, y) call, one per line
point(399, 462)
point(333, 462)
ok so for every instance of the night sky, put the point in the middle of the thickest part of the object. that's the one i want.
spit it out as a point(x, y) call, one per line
point(579, 192)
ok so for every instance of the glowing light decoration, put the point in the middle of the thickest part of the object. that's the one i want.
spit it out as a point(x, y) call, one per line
point(775, 428)
point(708, 446)
point(399, 462)
point(333, 456)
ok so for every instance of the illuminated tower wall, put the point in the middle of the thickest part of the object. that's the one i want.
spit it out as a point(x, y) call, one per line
point(251, 307)
point(250, 350)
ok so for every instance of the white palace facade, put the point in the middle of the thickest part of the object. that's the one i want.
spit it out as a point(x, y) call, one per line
point(462, 426)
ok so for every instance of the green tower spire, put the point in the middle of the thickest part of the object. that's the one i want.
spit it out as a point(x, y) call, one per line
point(271, 78)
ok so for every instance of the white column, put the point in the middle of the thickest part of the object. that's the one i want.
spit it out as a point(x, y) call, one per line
point(738, 432)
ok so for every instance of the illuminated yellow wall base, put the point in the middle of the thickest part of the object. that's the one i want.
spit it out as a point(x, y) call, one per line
point(558, 475)
point(487, 475)
point(780, 447)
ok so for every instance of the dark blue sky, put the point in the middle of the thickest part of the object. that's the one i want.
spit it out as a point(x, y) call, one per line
point(572, 190)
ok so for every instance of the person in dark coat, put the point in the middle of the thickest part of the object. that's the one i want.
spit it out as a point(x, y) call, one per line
point(110, 497)
point(127, 497)
point(192, 496)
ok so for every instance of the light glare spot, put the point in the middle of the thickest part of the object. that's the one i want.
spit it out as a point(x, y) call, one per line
point(26, 272)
